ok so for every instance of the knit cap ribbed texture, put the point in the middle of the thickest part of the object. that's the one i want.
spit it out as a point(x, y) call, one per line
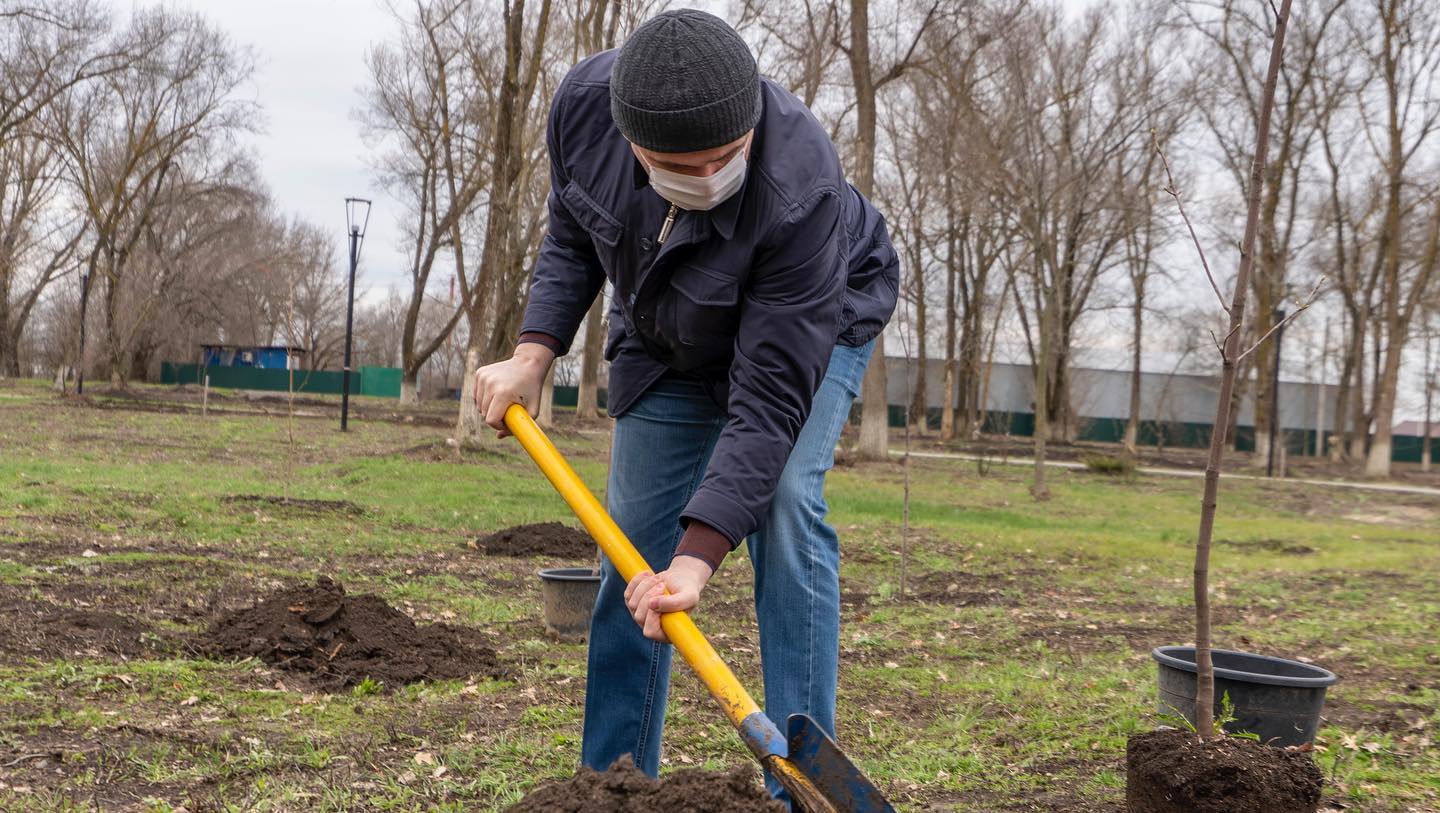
point(684, 81)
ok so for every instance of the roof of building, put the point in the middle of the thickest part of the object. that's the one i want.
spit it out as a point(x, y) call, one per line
point(1416, 429)
point(281, 347)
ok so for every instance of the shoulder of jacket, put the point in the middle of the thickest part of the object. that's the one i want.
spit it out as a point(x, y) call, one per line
point(590, 74)
point(797, 160)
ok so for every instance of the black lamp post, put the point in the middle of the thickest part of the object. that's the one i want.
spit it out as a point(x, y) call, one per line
point(1279, 316)
point(357, 218)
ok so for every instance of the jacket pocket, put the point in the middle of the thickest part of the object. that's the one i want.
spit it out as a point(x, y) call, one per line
point(704, 309)
point(600, 224)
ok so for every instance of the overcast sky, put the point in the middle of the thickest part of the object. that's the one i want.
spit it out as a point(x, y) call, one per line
point(311, 65)
point(310, 68)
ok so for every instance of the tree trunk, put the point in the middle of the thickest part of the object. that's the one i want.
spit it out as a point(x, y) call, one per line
point(1378, 462)
point(952, 315)
point(1359, 419)
point(1062, 423)
point(587, 404)
point(1132, 426)
point(874, 441)
point(1039, 489)
point(1204, 667)
point(1429, 378)
point(919, 403)
point(970, 365)
point(470, 428)
point(9, 353)
point(409, 389)
point(115, 350)
point(545, 415)
point(1044, 325)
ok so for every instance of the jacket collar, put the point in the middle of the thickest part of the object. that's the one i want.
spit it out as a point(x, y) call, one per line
point(722, 217)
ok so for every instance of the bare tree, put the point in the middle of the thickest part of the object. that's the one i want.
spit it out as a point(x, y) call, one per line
point(506, 155)
point(1137, 174)
point(426, 106)
point(797, 43)
point(49, 47)
point(1074, 126)
point(1233, 35)
point(1403, 39)
point(867, 79)
point(595, 27)
point(38, 242)
point(122, 139)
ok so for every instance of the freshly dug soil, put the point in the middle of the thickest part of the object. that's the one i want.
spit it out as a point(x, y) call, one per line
point(344, 639)
point(44, 630)
point(547, 539)
point(1175, 772)
point(625, 789)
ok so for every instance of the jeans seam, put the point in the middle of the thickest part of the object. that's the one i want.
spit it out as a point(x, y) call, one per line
point(643, 734)
point(812, 523)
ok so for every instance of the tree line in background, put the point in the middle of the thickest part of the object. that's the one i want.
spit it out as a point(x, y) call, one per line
point(1029, 163)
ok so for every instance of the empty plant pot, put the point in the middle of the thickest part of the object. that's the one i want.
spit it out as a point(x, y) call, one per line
point(569, 597)
point(1276, 699)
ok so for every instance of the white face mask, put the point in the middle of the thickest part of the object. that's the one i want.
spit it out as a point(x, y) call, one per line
point(698, 194)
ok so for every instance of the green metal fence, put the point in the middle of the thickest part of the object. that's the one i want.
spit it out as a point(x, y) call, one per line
point(381, 382)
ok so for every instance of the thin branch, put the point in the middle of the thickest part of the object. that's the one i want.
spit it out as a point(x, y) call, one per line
point(1300, 307)
point(1175, 193)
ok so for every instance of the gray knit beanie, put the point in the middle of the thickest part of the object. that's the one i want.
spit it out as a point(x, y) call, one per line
point(684, 81)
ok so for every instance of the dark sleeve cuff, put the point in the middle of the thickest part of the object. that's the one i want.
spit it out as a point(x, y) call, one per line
point(704, 543)
point(542, 339)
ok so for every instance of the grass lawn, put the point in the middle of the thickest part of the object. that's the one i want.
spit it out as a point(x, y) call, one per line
point(1001, 668)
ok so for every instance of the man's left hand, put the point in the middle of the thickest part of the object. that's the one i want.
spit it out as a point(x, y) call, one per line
point(677, 589)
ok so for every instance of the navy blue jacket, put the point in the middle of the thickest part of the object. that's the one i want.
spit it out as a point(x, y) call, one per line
point(751, 297)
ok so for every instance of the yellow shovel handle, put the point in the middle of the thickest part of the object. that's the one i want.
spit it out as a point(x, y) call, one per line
point(682, 631)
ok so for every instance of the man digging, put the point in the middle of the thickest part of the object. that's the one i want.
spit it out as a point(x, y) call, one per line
point(750, 281)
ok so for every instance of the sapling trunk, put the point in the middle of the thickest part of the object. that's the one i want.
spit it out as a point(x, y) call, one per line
point(1230, 357)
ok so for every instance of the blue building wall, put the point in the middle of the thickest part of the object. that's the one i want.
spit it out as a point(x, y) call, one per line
point(263, 358)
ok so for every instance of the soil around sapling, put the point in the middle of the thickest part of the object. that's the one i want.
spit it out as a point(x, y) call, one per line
point(1175, 771)
point(340, 640)
point(625, 789)
point(551, 540)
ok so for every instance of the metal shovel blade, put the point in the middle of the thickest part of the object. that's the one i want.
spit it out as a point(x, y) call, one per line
point(829, 771)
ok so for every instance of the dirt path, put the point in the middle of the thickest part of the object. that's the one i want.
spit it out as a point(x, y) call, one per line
point(1391, 488)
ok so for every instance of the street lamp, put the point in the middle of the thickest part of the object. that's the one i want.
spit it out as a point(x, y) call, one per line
point(357, 218)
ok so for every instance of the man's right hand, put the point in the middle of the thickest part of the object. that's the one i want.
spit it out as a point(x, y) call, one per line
point(517, 380)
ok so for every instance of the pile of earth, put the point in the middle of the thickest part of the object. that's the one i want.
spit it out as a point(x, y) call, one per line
point(624, 789)
point(341, 640)
point(547, 539)
point(1174, 771)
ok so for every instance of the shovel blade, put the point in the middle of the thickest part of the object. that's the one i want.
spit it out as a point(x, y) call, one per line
point(831, 773)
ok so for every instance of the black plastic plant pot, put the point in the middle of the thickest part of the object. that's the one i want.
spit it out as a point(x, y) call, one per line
point(1276, 699)
point(569, 597)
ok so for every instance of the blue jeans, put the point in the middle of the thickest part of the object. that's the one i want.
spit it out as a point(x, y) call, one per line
point(660, 452)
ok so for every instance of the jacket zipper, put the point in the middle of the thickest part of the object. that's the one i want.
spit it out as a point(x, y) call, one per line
point(667, 225)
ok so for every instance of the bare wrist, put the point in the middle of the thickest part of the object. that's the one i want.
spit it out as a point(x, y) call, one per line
point(534, 354)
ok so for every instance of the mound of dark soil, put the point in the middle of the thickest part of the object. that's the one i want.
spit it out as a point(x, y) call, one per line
point(343, 639)
point(1175, 771)
point(624, 789)
point(547, 539)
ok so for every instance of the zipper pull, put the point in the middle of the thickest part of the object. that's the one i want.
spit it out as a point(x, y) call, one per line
point(667, 225)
